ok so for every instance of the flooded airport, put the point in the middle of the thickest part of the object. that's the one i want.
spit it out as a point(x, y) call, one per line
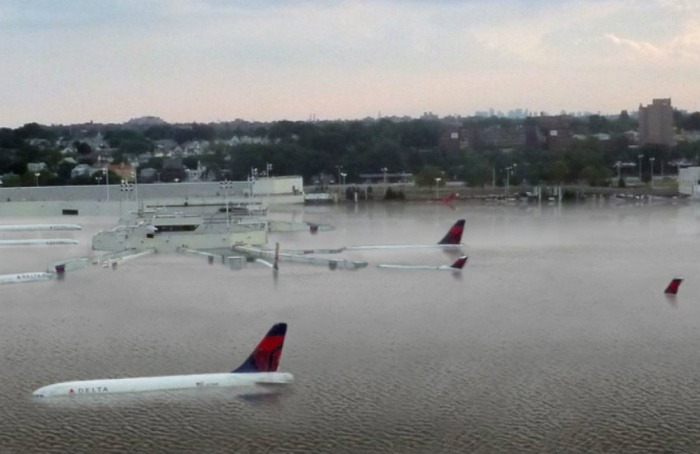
point(555, 337)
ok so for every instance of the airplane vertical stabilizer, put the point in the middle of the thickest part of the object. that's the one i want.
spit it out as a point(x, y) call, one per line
point(459, 263)
point(673, 286)
point(454, 235)
point(266, 356)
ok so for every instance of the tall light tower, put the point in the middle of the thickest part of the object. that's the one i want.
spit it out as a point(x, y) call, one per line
point(226, 185)
point(106, 172)
point(339, 168)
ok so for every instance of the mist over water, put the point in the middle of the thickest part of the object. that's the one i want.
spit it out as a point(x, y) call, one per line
point(555, 337)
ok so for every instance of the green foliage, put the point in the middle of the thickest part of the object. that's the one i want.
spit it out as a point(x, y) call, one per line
point(391, 194)
point(310, 149)
point(82, 147)
point(11, 180)
point(427, 176)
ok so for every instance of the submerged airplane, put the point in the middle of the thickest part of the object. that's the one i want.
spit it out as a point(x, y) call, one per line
point(673, 286)
point(259, 369)
point(37, 242)
point(25, 277)
point(456, 266)
point(451, 240)
point(37, 227)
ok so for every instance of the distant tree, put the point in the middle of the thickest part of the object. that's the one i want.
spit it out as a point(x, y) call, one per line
point(557, 172)
point(427, 176)
point(692, 122)
point(35, 131)
point(598, 124)
point(82, 148)
point(9, 138)
point(11, 180)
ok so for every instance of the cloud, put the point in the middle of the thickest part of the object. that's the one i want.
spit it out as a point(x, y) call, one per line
point(675, 50)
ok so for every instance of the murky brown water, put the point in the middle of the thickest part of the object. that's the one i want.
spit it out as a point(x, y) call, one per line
point(555, 338)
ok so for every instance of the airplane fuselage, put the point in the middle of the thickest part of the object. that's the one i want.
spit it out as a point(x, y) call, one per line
point(418, 267)
point(164, 383)
point(24, 277)
point(38, 227)
point(37, 242)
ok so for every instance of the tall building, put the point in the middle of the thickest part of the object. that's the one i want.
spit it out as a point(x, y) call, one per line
point(656, 123)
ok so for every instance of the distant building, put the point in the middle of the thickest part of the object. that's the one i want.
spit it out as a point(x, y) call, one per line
point(656, 123)
point(689, 181)
point(549, 133)
point(36, 166)
point(81, 170)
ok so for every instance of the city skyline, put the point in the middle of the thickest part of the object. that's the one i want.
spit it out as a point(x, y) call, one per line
point(213, 60)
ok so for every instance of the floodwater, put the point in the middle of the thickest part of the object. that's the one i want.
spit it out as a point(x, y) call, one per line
point(556, 337)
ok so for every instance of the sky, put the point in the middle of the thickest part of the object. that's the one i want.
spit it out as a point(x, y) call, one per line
point(107, 61)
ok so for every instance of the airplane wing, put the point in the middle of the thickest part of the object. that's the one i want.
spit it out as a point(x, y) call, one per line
point(331, 263)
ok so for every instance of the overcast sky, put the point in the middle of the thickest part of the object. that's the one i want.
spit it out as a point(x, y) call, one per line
point(217, 60)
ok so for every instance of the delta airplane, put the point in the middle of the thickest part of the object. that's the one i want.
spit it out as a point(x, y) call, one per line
point(25, 277)
point(673, 286)
point(452, 240)
point(37, 242)
point(38, 227)
point(259, 369)
point(456, 266)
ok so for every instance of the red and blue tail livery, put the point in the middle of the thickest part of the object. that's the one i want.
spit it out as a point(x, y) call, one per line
point(454, 235)
point(673, 286)
point(266, 356)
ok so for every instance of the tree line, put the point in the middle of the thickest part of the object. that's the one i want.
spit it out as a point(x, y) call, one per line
point(311, 149)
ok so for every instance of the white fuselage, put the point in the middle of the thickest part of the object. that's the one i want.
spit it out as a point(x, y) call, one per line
point(38, 227)
point(405, 246)
point(170, 382)
point(24, 277)
point(37, 242)
point(418, 267)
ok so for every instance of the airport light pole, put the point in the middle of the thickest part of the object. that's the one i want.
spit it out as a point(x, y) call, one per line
point(127, 187)
point(639, 156)
point(651, 169)
point(507, 169)
point(339, 168)
point(226, 185)
point(106, 172)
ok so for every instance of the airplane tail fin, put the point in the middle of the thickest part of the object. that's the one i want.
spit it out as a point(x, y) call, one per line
point(454, 235)
point(266, 356)
point(673, 286)
point(459, 263)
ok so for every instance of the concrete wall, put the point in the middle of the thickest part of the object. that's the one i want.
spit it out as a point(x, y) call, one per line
point(113, 201)
point(268, 186)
